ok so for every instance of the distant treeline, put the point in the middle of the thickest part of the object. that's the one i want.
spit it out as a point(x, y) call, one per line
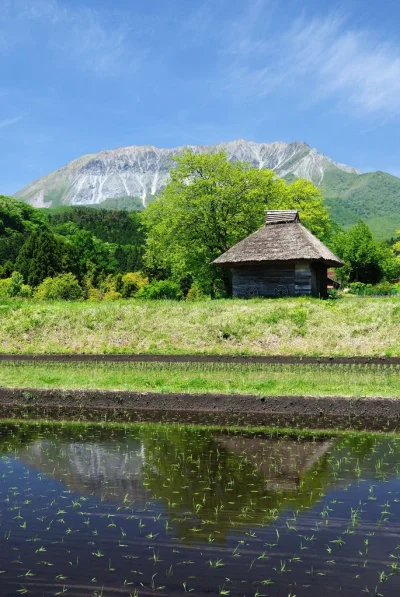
point(89, 243)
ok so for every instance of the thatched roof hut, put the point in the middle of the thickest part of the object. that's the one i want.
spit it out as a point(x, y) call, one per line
point(282, 258)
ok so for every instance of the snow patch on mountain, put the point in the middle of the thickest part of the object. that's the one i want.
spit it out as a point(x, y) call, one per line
point(141, 171)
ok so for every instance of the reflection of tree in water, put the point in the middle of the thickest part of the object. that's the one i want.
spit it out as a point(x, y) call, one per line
point(214, 483)
point(209, 482)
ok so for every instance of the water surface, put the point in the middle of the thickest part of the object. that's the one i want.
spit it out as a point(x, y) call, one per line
point(169, 510)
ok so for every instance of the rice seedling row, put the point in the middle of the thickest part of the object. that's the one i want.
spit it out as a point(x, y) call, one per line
point(170, 510)
point(252, 378)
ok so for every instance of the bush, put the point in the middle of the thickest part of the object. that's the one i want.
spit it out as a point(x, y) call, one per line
point(25, 291)
point(132, 283)
point(5, 286)
point(382, 289)
point(62, 287)
point(385, 289)
point(334, 293)
point(358, 288)
point(112, 295)
point(195, 293)
point(108, 284)
point(161, 289)
point(94, 295)
point(14, 287)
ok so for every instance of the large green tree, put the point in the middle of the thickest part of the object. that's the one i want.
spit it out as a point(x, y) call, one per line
point(304, 196)
point(366, 260)
point(40, 257)
point(17, 222)
point(208, 205)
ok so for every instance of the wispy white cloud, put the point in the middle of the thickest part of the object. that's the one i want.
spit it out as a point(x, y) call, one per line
point(355, 68)
point(10, 121)
point(103, 43)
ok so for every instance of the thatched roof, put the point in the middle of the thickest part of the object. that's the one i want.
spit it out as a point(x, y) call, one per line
point(282, 238)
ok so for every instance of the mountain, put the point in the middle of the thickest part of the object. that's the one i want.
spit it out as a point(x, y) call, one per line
point(131, 176)
point(143, 171)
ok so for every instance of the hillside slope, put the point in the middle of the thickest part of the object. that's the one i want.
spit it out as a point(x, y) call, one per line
point(373, 197)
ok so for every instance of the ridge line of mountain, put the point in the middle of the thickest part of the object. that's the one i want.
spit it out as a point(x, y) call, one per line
point(129, 177)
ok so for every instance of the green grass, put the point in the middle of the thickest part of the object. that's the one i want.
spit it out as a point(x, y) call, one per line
point(292, 326)
point(319, 380)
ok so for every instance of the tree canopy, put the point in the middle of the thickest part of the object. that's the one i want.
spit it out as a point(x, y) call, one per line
point(366, 260)
point(86, 242)
point(40, 258)
point(208, 205)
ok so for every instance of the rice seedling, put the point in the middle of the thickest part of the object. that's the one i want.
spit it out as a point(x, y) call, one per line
point(165, 377)
point(174, 509)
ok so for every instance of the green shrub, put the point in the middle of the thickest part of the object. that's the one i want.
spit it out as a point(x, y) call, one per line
point(94, 295)
point(5, 287)
point(195, 293)
point(298, 316)
point(61, 287)
point(230, 331)
point(25, 291)
point(108, 284)
point(15, 287)
point(132, 283)
point(384, 288)
point(275, 316)
point(334, 293)
point(358, 288)
point(112, 295)
point(161, 289)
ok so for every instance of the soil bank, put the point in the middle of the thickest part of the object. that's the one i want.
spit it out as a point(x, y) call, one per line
point(199, 358)
point(333, 412)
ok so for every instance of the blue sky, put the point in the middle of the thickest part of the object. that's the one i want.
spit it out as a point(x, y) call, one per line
point(79, 76)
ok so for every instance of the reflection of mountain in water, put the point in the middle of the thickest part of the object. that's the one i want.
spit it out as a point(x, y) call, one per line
point(282, 463)
point(112, 471)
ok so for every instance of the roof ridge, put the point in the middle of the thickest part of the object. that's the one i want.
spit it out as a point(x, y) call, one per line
point(280, 216)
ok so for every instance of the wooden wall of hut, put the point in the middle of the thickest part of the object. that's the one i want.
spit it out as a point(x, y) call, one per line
point(279, 279)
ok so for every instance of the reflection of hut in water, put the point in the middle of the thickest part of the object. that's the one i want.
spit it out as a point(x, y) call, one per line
point(282, 463)
point(93, 468)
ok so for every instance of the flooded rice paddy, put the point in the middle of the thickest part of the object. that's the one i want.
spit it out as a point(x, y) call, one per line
point(173, 510)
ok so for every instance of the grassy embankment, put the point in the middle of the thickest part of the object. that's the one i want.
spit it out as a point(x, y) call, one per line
point(272, 380)
point(293, 326)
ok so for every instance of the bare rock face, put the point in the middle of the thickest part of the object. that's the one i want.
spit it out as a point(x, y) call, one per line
point(142, 171)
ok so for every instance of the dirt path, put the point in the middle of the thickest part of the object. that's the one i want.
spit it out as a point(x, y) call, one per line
point(284, 411)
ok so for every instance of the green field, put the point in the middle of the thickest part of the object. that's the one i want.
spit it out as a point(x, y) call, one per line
point(293, 326)
point(317, 380)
